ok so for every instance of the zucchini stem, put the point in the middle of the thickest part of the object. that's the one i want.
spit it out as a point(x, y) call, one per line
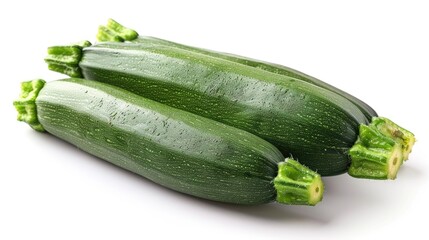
point(65, 59)
point(297, 184)
point(115, 32)
point(400, 134)
point(26, 103)
point(380, 150)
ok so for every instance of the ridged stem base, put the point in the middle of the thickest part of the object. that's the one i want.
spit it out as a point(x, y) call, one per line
point(115, 32)
point(65, 59)
point(297, 184)
point(380, 150)
point(26, 103)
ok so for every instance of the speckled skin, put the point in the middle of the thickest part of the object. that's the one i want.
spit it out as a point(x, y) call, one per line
point(314, 125)
point(270, 67)
point(174, 148)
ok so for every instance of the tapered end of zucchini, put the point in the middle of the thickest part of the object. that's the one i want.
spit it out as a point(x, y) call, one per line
point(115, 32)
point(297, 184)
point(65, 59)
point(26, 103)
point(380, 150)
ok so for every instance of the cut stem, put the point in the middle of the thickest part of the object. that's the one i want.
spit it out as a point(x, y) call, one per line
point(115, 32)
point(400, 134)
point(26, 103)
point(297, 184)
point(65, 59)
point(380, 150)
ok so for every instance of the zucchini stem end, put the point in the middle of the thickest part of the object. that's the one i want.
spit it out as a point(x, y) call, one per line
point(25, 105)
point(298, 185)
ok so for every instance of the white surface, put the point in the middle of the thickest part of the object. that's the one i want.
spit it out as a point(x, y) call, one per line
point(376, 50)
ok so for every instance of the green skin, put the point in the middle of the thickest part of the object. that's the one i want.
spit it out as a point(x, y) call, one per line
point(114, 32)
point(173, 148)
point(309, 119)
point(315, 125)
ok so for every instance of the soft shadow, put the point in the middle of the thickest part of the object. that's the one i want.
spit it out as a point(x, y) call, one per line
point(271, 212)
point(268, 212)
point(410, 171)
point(343, 195)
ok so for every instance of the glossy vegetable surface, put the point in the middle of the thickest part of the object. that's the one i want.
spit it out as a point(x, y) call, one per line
point(174, 148)
point(115, 32)
point(313, 124)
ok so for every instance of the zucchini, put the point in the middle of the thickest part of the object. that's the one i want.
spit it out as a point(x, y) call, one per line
point(314, 125)
point(174, 148)
point(115, 32)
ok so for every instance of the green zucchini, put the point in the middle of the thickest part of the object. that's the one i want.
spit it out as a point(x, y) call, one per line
point(314, 125)
point(174, 148)
point(113, 31)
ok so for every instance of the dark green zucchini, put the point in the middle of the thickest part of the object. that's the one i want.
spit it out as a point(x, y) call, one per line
point(315, 125)
point(115, 32)
point(174, 148)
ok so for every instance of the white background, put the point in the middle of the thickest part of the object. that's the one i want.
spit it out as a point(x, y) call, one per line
point(376, 50)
